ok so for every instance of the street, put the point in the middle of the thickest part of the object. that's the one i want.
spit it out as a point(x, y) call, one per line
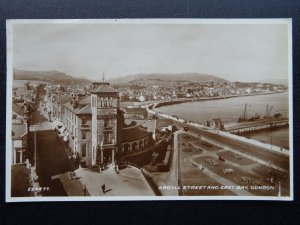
point(51, 157)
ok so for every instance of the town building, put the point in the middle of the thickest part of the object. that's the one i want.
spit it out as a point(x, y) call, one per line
point(136, 113)
point(93, 128)
point(19, 143)
point(19, 133)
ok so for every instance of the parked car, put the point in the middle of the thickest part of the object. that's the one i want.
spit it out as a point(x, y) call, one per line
point(228, 171)
point(211, 162)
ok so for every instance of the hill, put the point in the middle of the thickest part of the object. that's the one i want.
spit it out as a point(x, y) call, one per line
point(167, 77)
point(275, 81)
point(52, 76)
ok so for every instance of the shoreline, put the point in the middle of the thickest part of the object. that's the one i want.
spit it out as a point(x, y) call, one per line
point(151, 108)
point(186, 100)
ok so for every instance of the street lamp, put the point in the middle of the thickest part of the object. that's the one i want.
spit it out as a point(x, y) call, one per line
point(271, 141)
point(33, 128)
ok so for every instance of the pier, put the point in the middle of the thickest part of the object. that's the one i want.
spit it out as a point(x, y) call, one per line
point(256, 125)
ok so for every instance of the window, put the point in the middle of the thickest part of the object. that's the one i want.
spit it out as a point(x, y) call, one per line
point(83, 134)
point(106, 137)
point(83, 120)
point(83, 150)
point(18, 157)
point(106, 123)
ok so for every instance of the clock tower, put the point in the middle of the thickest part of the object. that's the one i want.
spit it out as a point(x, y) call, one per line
point(105, 123)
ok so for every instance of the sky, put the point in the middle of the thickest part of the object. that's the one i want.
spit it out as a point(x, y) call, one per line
point(236, 52)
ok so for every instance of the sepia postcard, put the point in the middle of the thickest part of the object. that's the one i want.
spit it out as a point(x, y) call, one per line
point(149, 109)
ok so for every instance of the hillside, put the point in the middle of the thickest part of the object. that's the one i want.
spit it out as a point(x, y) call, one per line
point(167, 77)
point(275, 81)
point(48, 76)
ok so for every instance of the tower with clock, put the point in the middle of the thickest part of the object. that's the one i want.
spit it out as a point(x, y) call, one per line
point(105, 123)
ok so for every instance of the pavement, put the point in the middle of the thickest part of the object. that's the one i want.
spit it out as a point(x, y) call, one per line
point(128, 182)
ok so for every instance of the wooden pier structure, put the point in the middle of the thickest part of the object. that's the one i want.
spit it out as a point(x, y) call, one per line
point(255, 125)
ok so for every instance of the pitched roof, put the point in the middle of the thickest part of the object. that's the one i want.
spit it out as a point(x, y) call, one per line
point(104, 89)
point(65, 98)
point(133, 134)
point(84, 106)
point(19, 110)
point(85, 110)
point(86, 100)
point(19, 130)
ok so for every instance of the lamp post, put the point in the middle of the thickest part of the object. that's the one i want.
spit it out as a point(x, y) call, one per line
point(271, 141)
point(35, 148)
point(33, 129)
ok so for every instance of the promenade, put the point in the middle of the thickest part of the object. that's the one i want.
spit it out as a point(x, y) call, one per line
point(266, 154)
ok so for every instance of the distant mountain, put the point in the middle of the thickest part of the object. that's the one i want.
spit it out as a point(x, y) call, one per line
point(274, 81)
point(48, 76)
point(166, 77)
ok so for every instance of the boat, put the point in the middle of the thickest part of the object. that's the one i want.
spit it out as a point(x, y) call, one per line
point(244, 118)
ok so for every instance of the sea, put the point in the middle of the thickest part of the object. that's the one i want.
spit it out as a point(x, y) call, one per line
point(230, 109)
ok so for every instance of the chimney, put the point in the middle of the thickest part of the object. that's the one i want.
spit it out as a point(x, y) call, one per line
point(75, 104)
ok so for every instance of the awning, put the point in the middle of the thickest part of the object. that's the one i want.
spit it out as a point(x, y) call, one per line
point(64, 133)
point(58, 123)
point(62, 129)
point(65, 138)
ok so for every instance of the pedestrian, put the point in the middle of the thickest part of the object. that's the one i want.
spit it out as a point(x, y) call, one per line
point(84, 190)
point(103, 188)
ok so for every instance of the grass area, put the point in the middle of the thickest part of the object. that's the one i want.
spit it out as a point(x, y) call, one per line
point(196, 178)
point(238, 177)
point(268, 172)
point(236, 158)
point(186, 138)
point(192, 177)
point(207, 146)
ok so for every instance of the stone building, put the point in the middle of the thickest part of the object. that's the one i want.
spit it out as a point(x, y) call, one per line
point(106, 123)
point(136, 113)
point(93, 128)
point(19, 143)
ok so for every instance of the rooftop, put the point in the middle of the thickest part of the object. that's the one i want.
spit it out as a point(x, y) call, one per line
point(17, 109)
point(19, 130)
point(136, 111)
point(85, 110)
point(104, 88)
point(133, 134)
point(83, 106)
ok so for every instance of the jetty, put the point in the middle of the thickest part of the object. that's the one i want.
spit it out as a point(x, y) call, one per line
point(260, 124)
